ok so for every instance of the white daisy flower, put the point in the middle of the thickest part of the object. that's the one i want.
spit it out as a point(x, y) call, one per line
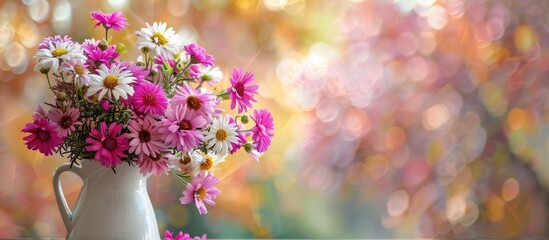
point(205, 164)
point(51, 57)
point(76, 69)
point(114, 82)
point(158, 39)
point(209, 74)
point(220, 135)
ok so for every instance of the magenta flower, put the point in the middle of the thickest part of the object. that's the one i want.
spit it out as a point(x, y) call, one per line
point(182, 236)
point(90, 45)
point(149, 98)
point(239, 135)
point(262, 132)
point(65, 122)
point(57, 39)
point(157, 165)
point(145, 138)
point(97, 56)
point(161, 59)
point(241, 90)
point(199, 55)
point(140, 73)
point(201, 190)
point(43, 136)
point(114, 20)
point(108, 144)
point(180, 129)
point(200, 101)
point(105, 104)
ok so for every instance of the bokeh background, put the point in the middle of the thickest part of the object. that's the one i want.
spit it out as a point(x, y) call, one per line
point(394, 118)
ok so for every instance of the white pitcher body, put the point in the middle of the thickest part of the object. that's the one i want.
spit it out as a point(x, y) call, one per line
point(110, 206)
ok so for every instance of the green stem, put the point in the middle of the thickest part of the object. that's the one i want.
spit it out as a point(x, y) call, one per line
point(49, 83)
point(246, 130)
point(182, 179)
point(221, 95)
point(179, 75)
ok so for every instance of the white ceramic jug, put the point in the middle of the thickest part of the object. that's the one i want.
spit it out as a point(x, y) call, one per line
point(110, 206)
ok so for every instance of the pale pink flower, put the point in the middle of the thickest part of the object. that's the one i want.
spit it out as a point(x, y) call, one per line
point(201, 190)
point(198, 100)
point(180, 129)
point(156, 165)
point(65, 122)
point(144, 137)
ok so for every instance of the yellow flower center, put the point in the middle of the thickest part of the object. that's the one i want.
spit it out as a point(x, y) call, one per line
point(78, 69)
point(159, 39)
point(110, 82)
point(221, 135)
point(207, 164)
point(201, 193)
point(59, 52)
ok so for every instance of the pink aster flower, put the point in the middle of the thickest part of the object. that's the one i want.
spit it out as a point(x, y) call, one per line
point(57, 39)
point(105, 104)
point(77, 70)
point(43, 136)
point(65, 121)
point(97, 56)
point(157, 165)
point(201, 190)
point(180, 129)
point(161, 59)
point(262, 132)
point(199, 55)
point(182, 236)
point(200, 101)
point(239, 135)
point(241, 90)
point(108, 144)
point(149, 98)
point(144, 137)
point(114, 20)
point(90, 45)
point(140, 73)
point(40, 112)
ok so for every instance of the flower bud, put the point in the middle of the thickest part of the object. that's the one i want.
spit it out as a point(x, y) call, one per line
point(145, 50)
point(103, 45)
point(244, 119)
point(120, 48)
point(248, 147)
point(61, 96)
point(44, 70)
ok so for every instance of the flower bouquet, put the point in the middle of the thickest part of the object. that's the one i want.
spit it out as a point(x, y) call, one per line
point(160, 113)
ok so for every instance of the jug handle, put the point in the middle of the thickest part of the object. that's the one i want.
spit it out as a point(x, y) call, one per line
point(64, 209)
